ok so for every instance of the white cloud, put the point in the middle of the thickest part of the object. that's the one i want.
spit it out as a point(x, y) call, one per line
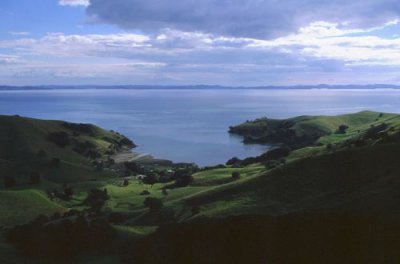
point(74, 2)
point(8, 59)
point(318, 53)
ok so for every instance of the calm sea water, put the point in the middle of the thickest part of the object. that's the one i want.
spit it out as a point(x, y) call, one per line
point(190, 125)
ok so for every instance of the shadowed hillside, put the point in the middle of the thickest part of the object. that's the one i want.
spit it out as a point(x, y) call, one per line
point(58, 150)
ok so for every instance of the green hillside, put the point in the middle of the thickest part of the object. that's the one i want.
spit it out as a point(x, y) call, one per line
point(29, 145)
point(354, 170)
point(19, 207)
point(304, 131)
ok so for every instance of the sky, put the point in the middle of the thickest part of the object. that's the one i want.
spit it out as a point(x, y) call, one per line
point(191, 42)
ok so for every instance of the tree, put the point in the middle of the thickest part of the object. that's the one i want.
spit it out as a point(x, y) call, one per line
point(151, 179)
point(34, 178)
point(125, 183)
point(233, 161)
point(153, 204)
point(342, 129)
point(235, 175)
point(68, 192)
point(96, 199)
point(183, 181)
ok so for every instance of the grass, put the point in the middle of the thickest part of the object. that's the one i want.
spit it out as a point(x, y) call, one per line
point(355, 179)
point(22, 138)
point(363, 178)
point(21, 206)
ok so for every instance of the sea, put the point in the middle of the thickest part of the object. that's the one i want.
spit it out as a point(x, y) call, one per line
point(190, 125)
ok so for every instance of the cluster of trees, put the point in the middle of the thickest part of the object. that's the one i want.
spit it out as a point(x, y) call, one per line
point(80, 128)
point(276, 155)
point(96, 199)
point(66, 194)
point(381, 133)
point(11, 182)
point(342, 129)
point(181, 174)
point(87, 149)
point(64, 238)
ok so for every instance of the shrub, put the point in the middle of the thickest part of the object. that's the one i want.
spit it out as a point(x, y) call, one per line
point(96, 199)
point(342, 129)
point(183, 181)
point(125, 183)
point(235, 175)
point(151, 179)
point(233, 161)
point(153, 204)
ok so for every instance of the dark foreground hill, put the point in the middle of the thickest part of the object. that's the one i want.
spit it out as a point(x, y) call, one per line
point(323, 237)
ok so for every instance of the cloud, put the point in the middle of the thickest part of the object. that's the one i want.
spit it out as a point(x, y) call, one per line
point(321, 52)
point(264, 19)
point(8, 59)
point(20, 33)
point(74, 2)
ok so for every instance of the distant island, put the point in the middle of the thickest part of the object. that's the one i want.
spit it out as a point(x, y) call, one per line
point(319, 86)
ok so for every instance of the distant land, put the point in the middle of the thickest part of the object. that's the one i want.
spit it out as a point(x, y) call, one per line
point(183, 87)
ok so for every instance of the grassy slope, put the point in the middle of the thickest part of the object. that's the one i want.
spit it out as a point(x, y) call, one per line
point(355, 179)
point(18, 207)
point(317, 178)
point(325, 125)
point(259, 190)
point(22, 138)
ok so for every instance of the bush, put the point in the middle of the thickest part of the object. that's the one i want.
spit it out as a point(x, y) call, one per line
point(145, 192)
point(342, 129)
point(233, 161)
point(96, 199)
point(235, 175)
point(151, 179)
point(153, 204)
point(183, 181)
point(125, 183)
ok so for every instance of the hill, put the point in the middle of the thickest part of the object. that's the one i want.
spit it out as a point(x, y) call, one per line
point(58, 150)
point(339, 172)
point(303, 131)
point(353, 170)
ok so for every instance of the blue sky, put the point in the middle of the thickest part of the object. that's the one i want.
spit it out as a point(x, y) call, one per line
point(179, 42)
